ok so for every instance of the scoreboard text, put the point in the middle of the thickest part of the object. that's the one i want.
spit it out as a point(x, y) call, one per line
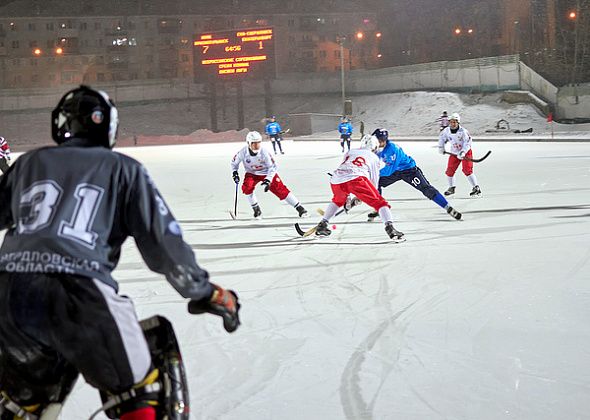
point(236, 54)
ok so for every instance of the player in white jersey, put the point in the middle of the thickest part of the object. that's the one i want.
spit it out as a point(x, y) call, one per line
point(4, 155)
point(358, 174)
point(261, 167)
point(460, 148)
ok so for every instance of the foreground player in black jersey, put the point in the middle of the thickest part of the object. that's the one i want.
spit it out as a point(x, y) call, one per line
point(68, 209)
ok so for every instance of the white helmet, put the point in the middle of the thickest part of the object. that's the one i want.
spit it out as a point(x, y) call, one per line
point(369, 142)
point(456, 117)
point(253, 137)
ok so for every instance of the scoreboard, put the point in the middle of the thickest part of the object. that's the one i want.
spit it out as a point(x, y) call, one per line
point(235, 55)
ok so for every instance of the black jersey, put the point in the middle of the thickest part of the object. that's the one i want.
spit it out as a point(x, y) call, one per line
point(68, 209)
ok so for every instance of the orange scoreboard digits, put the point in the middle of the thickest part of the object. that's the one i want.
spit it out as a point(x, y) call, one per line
point(235, 54)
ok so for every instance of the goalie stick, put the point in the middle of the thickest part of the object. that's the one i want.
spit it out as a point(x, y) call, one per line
point(481, 159)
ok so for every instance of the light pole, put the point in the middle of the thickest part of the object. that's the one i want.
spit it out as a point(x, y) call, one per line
point(340, 41)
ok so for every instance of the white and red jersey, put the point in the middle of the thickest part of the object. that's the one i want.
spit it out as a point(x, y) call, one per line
point(460, 141)
point(260, 164)
point(357, 163)
point(4, 148)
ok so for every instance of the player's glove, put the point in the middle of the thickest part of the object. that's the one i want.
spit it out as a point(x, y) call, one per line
point(461, 155)
point(441, 150)
point(266, 184)
point(223, 303)
point(236, 177)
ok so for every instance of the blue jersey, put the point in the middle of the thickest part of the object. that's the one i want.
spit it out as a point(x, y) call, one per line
point(272, 128)
point(345, 128)
point(395, 159)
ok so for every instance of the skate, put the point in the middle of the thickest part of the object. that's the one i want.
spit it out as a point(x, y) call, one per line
point(372, 216)
point(322, 229)
point(257, 212)
point(454, 213)
point(351, 202)
point(395, 235)
point(475, 192)
point(450, 191)
point(302, 212)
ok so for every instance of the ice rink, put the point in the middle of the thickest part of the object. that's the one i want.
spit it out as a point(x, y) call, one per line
point(484, 318)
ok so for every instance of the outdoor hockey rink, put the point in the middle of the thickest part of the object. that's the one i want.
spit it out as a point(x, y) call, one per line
point(484, 318)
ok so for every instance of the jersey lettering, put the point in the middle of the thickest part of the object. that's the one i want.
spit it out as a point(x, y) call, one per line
point(88, 197)
point(39, 203)
point(359, 161)
point(416, 181)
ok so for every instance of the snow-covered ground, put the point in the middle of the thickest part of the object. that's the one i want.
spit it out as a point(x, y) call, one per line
point(404, 114)
point(484, 318)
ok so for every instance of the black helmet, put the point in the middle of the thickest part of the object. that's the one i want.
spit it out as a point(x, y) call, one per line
point(381, 134)
point(85, 113)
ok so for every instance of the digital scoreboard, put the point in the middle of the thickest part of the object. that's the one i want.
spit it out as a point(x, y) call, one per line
point(235, 55)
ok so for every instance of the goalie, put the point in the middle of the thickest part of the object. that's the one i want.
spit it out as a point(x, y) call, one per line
point(68, 209)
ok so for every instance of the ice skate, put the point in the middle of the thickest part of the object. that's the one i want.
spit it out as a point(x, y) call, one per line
point(395, 235)
point(322, 229)
point(450, 191)
point(454, 213)
point(372, 216)
point(257, 212)
point(302, 212)
point(475, 192)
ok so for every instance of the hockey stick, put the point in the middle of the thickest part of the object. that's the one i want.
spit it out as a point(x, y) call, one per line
point(234, 215)
point(481, 159)
point(305, 233)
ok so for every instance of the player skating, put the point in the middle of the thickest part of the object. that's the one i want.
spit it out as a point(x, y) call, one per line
point(261, 167)
point(345, 130)
point(68, 209)
point(459, 153)
point(273, 131)
point(400, 166)
point(4, 155)
point(358, 174)
point(443, 121)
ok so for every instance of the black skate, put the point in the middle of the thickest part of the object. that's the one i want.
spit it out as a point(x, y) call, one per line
point(395, 235)
point(454, 213)
point(302, 212)
point(372, 216)
point(322, 229)
point(257, 211)
point(450, 191)
point(475, 192)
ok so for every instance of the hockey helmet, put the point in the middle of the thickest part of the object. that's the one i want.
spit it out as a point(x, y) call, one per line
point(369, 142)
point(253, 137)
point(85, 113)
point(381, 134)
point(455, 116)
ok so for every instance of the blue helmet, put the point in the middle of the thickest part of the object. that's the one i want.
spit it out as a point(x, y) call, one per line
point(381, 134)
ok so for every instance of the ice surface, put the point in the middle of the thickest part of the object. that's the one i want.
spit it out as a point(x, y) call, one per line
point(486, 318)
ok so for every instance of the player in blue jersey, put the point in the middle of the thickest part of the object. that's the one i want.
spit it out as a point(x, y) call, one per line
point(345, 130)
point(273, 131)
point(400, 166)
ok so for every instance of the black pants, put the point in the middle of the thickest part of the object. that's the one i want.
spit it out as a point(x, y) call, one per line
point(276, 139)
point(3, 165)
point(345, 138)
point(53, 323)
point(412, 176)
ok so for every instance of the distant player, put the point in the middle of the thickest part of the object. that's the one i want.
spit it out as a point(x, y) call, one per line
point(460, 149)
point(4, 155)
point(443, 120)
point(358, 174)
point(273, 131)
point(345, 130)
point(261, 167)
point(399, 166)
